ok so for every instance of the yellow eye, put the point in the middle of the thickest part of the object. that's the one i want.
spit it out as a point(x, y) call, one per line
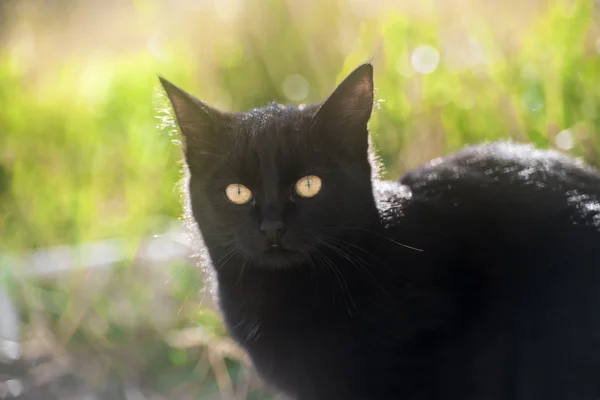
point(238, 194)
point(309, 186)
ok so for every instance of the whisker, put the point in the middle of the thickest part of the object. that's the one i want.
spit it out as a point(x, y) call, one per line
point(225, 255)
point(341, 280)
point(245, 263)
point(311, 268)
point(364, 268)
point(373, 233)
point(230, 254)
point(347, 243)
point(319, 255)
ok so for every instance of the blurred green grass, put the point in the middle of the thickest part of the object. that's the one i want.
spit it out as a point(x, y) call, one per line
point(83, 156)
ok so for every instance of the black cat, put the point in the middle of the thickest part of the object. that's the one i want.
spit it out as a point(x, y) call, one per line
point(475, 276)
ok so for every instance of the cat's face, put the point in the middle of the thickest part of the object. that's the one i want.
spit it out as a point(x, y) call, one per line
point(277, 183)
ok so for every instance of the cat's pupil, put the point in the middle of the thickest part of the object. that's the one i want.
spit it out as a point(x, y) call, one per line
point(239, 190)
point(308, 183)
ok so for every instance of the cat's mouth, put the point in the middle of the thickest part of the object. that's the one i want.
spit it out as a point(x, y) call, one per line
point(278, 249)
point(280, 256)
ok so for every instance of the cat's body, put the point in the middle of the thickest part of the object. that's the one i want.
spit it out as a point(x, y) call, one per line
point(476, 276)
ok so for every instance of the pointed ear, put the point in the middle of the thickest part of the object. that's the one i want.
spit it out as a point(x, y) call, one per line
point(199, 123)
point(346, 112)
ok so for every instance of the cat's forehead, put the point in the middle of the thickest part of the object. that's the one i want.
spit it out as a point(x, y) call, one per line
point(275, 129)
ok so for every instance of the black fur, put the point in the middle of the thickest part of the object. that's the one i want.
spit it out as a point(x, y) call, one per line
point(476, 276)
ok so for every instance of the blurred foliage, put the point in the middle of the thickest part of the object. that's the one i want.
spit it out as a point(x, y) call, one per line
point(83, 156)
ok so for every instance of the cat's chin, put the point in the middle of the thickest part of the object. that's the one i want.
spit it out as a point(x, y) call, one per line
point(280, 258)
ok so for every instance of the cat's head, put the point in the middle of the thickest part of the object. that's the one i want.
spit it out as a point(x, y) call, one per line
point(277, 183)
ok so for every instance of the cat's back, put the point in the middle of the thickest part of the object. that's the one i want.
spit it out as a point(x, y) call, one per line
point(499, 166)
point(513, 188)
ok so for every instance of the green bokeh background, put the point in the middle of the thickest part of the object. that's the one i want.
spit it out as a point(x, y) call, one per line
point(86, 153)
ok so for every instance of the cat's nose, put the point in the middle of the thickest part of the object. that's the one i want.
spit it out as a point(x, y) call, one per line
point(273, 229)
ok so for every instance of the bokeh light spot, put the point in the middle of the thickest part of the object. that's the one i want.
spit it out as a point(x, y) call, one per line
point(425, 59)
point(564, 140)
point(296, 87)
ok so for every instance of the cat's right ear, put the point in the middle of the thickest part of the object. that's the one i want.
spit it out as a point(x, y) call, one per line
point(346, 112)
point(199, 123)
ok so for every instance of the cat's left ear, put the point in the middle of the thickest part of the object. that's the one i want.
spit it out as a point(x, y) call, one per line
point(200, 124)
point(346, 112)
